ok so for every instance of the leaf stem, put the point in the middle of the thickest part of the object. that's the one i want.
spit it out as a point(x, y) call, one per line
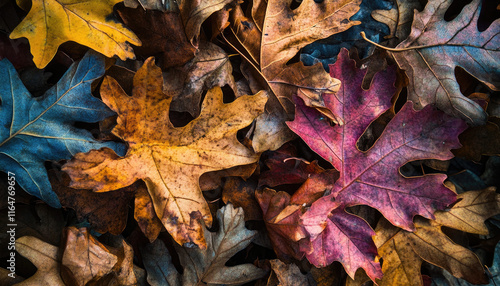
point(363, 35)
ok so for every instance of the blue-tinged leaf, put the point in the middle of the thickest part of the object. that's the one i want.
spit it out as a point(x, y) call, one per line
point(34, 130)
point(326, 51)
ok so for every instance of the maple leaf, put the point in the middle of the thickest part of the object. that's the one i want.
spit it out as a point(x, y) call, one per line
point(403, 252)
point(205, 266)
point(271, 35)
point(169, 159)
point(53, 22)
point(436, 47)
point(409, 136)
point(35, 130)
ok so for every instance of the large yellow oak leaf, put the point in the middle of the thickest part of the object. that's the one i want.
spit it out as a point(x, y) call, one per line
point(169, 159)
point(53, 22)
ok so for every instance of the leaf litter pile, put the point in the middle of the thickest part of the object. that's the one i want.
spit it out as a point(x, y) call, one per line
point(238, 142)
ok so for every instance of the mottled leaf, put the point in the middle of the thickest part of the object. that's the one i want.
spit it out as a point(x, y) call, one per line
point(34, 130)
point(169, 159)
point(436, 47)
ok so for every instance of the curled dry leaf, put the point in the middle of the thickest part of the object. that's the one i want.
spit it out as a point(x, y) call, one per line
point(90, 18)
point(206, 266)
point(144, 214)
point(194, 13)
point(170, 160)
point(271, 35)
point(85, 259)
point(290, 275)
point(436, 47)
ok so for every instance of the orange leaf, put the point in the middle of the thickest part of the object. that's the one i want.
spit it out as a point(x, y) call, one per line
point(169, 159)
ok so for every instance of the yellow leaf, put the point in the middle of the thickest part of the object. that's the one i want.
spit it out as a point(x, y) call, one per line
point(53, 22)
point(169, 159)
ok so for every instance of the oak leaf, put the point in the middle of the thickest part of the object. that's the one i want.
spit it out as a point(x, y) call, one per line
point(45, 257)
point(398, 19)
point(205, 266)
point(269, 36)
point(409, 136)
point(169, 159)
point(403, 253)
point(290, 274)
point(36, 129)
point(51, 23)
point(436, 47)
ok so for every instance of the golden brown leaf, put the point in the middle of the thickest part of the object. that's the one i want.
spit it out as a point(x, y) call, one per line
point(53, 22)
point(85, 258)
point(195, 12)
point(471, 211)
point(46, 259)
point(398, 19)
point(403, 253)
point(144, 214)
point(170, 160)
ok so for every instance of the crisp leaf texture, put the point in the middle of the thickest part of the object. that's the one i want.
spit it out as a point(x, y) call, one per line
point(46, 259)
point(470, 212)
point(409, 136)
point(53, 22)
point(170, 160)
point(403, 253)
point(34, 130)
point(457, 43)
point(206, 265)
point(399, 18)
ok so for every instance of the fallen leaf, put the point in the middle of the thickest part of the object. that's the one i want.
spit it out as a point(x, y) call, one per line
point(145, 215)
point(194, 13)
point(213, 180)
point(270, 36)
point(282, 213)
point(241, 193)
point(436, 47)
point(97, 212)
point(403, 253)
point(206, 266)
point(169, 160)
point(409, 136)
point(162, 35)
point(61, 18)
point(35, 130)
point(46, 259)
point(85, 258)
point(289, 274)
point(398, 19)
point(285, 168)
point(470, 212)
point(210, 68)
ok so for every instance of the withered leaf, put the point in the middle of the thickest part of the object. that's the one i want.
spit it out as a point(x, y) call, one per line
point(206, 266)
point(169, 159)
